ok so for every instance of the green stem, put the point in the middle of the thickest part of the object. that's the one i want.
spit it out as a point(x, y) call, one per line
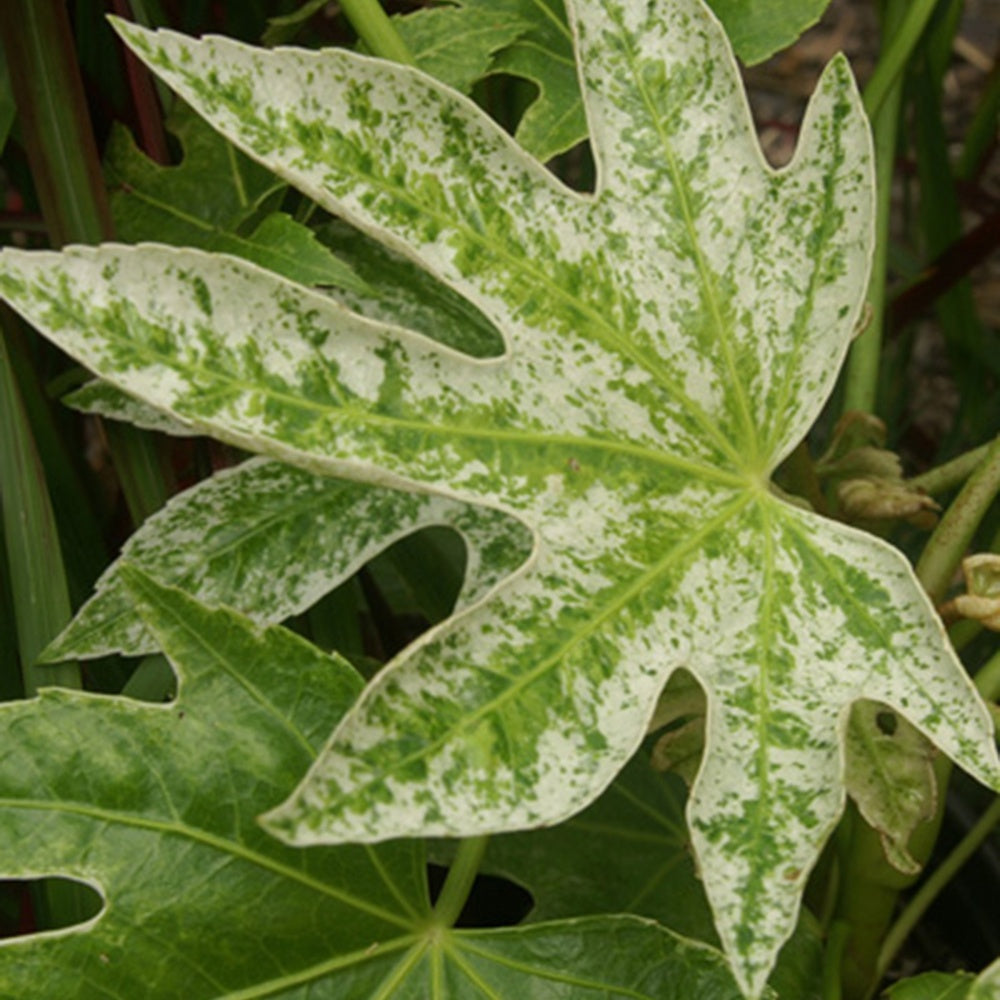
point(946, 477)
point(458, 884)
point(37, 576)
point(936, 881)
point(981, 134)
point(861, 379)
point(833, 956)
point(963, 517)
point(66, 171)
point(146, 480)
point(903, 35)
point(376, 30)
point(987, 679)
point(945, 548)
point(45, 78)
point(869, 894)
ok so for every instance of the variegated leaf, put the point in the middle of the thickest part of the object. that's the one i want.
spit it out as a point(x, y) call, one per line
point(153, 807)
point(270, 540)
point(667, 342)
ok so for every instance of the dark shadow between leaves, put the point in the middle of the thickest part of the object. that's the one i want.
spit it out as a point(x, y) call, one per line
point(34, 906)
point(493, 902)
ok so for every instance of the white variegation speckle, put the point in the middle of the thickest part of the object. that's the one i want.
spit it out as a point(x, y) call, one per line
point(667, 341)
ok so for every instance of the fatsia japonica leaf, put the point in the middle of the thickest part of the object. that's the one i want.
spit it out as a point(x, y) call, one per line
point(758, 28)
point(949, 986)
point(628, 853)
point(465, 40)
point(668, 340)
point(270, 540)
point(216, 199)
point(456, 42)
point(153, 806)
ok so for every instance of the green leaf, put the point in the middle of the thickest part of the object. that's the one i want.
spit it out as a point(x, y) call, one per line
point(933, 986)
point(586, 959)
point(668, 340)
point(890, 776)
point(270, 540)
point(193, 886)
point(532, 39)
point(402, 294)
point(457, 43)
point(214, 189)
point(154, 805)
point(208, 200)
point(556, 119)
point(637, 830)
point(758, 28)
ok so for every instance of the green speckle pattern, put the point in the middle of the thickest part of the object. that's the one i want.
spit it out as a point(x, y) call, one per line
point(666, 342)
point(270, 540)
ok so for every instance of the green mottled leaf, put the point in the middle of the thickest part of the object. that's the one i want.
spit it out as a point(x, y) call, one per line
point(531, 39)
point(109, 401)
point(154, 805)
point(208, 200)
point(667, 341)
point(270, 540)
point(629, 853)
point(890, 776)
point(934, 986)
point(457, 43)
point(758, 28)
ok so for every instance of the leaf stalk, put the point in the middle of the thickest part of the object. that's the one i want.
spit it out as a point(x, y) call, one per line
point(375, 29)
point(951, 538)
point(861, 384)
point(904, 35)
point(458, 884)
point(936, 881)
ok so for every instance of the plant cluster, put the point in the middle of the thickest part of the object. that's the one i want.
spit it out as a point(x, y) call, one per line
point(550, 540)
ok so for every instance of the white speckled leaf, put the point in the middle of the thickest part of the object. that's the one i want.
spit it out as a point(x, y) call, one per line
point(106, 400)
point(668, 340)
point(269, 539)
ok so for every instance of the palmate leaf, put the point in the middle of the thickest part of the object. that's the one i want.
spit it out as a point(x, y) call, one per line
point(467, 39)
point(270, 540)
point(668, 341)
point(153, 805)
point(628, 853)
point(210, 200)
